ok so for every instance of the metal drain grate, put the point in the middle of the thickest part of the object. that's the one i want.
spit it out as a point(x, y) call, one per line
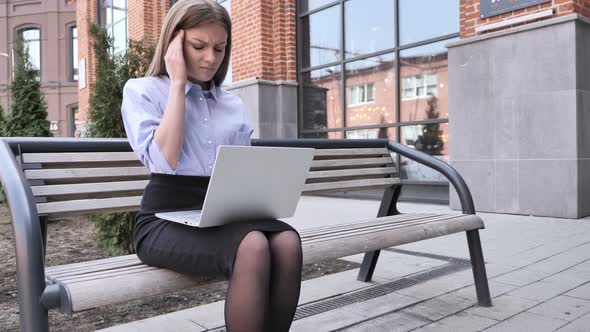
point(454, 265)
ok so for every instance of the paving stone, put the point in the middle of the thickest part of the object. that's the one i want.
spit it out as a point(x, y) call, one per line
point(439, 307)
point(582, 292)
point(562, 307)
point(528, 322)
point(521, 277)
point(327, 321)
point(395, 322)
point(503, 307)
point(381, 305)
point(459, 322)
point(579, 325)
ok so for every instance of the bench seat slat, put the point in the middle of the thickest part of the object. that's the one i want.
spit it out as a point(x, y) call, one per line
point(135, 262)
point(376, 228)
point(98, 263)
point(107, 274)
point(88, 188)
point(83, 206)
point(80, 173)
point(396, 219)
point(78, 157)
point(98, 286)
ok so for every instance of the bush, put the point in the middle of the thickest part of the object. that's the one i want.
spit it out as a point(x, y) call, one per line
point(114, 230)
point(28, 115)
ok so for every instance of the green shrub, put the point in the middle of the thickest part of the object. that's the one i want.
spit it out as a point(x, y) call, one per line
point(28, 115)
point(114, 230)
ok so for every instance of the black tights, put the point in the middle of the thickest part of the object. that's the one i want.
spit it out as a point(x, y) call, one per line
point(264, 287)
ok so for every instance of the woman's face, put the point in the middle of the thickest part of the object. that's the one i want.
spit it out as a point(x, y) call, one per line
point(204, 50)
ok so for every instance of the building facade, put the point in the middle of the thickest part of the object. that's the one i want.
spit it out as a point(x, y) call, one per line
point(49, 30)
point(498, 88)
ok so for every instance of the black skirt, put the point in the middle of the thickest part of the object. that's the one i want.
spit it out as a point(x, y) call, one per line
point(200, 252)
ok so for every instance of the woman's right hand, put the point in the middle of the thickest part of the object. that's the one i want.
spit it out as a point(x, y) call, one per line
point(174, 59)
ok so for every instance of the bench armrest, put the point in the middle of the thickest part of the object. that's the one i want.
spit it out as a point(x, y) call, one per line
point(27, 230)
point(445, 169)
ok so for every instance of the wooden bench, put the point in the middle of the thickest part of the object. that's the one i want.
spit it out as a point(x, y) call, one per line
point(49, 178)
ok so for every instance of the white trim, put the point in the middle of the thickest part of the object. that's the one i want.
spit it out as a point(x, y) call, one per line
point(516, 20)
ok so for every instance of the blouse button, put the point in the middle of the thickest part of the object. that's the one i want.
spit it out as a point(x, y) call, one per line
point(201, 99)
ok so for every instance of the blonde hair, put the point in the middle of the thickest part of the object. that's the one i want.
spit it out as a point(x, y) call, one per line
point(188, 14)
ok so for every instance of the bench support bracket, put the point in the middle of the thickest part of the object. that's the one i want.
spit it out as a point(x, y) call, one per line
point(387, 208)
point(479, 269)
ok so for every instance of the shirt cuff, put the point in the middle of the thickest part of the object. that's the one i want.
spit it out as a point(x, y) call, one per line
point(157, 158)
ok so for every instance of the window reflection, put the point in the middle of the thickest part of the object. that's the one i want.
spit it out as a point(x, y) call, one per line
point(424, 82)
point(74, 54)
point(425, 19)
point(370, 91)
point(321, 99)
point(307, 5)
point(321, 37)
point(432, 139)
point(369, 30)
point(371, 86)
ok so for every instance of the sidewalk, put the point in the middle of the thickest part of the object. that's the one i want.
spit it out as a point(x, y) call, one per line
point(538, 271)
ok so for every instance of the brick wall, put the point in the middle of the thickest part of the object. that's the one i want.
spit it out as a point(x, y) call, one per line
point(86, 12)
point(264, 44)
point(145, 18)
point(470, 13)
point(264, 39)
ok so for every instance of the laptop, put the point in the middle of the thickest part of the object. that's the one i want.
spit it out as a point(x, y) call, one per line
point(249, 183)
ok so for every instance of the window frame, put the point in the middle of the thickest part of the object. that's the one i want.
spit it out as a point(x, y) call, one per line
point(73, 73)
point(18, 33)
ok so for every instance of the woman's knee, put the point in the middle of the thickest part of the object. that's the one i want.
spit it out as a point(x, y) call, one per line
point(287, 241)
point(254, 243)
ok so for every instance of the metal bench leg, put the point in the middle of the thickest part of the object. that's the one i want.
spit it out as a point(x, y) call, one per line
point(35, 319)
point(43, 221)
point(387, 208)
point(368, 266)
point(479, 269)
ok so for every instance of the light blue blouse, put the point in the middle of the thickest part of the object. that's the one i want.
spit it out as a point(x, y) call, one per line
point(212, 118)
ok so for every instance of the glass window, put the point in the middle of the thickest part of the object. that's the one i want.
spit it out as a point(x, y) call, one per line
point(368, 30)
point(425, 19)
point(362, 101)
point(229, 77)
point(73, 114)
point(32, 42)
point(307, 5)
point(321, 98)
point(321, 37)
point(119, 30)
point(433, 139)
point(370, 86)
point(424, 82)
point(73, 53)
point(114, 19)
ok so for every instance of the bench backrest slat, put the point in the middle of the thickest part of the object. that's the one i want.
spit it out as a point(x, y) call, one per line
point(71, 183)
point(78, 157)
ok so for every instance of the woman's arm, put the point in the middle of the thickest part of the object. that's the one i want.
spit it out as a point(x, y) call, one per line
point(170, 133)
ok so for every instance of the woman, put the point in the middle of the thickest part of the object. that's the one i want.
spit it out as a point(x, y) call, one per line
point(175, 118)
